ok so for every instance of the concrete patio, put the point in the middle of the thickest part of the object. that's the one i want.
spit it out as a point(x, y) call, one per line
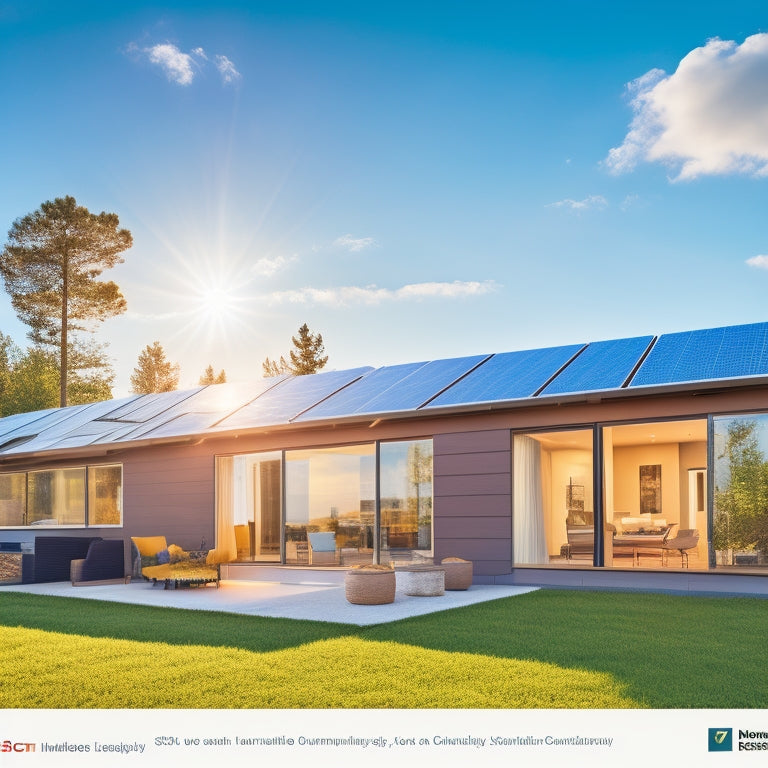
point(317, 598)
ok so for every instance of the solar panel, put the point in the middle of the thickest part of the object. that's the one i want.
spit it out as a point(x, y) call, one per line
point(18, 421)
point(145, 407)
point(206, 406)
point(602, 365)
point(52, 426)
point(508, 376)
point(397, 388)
point(289, 398)
point(353, 398)
point(712, 354)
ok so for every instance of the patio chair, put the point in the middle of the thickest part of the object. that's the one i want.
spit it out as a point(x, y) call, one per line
point(322, 548)
point(688, 538)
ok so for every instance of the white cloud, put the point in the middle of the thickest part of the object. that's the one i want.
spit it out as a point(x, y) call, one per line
point(176, 64)
point(709, 117)
point(267, 267)
point(354, 244)
point(593, 201)
point(182, 68)
point(761, 262)
point(227, 69)
point(372, 294)
point(629, 201)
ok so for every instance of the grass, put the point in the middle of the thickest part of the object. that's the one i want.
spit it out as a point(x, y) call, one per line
point(545, 649)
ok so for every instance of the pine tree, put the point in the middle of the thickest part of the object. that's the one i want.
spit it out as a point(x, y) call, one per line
point(275, 368)
point(306, 357)
point(154, 373)
point(209, 377)
point(50, 267)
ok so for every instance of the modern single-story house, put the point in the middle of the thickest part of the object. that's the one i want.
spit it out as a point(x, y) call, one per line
point(594, 463)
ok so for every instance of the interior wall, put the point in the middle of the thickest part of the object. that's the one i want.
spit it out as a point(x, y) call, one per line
point(627, 461)
point(567, 466)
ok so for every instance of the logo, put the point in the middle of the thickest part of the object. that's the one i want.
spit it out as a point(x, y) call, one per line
point(721, 739)
point(18, 746)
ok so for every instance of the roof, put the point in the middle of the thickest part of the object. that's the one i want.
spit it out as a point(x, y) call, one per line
point(732, 356)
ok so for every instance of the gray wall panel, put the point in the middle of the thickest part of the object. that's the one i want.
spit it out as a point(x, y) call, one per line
point(472, 493)
point(472, 442)
point(474, 463)
point(472, 485)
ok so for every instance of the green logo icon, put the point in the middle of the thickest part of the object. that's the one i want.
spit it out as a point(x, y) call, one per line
point(721, 740)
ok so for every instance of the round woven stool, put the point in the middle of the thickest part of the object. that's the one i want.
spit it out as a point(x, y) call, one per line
point(458, 573)
point(370, 586)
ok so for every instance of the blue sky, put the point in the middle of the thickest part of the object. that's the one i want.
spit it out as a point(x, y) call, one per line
point(413, 180)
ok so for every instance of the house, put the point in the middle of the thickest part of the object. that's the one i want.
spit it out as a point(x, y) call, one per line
point(577, 464)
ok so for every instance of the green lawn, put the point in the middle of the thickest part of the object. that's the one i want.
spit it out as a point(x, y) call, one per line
point(545, 649)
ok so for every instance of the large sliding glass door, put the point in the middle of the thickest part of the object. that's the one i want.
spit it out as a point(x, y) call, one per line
point(330, 505)
point(256, 505)
point(740, 499)
point(655, 491)
point(553, 500)
point(405, 485)
point(346, 505)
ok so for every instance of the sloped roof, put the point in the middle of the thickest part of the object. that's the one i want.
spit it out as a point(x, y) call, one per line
point(732, 355)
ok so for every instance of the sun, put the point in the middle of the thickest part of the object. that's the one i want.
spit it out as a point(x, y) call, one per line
point(218, 302)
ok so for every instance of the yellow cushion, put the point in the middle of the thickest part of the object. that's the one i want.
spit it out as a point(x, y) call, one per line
point(149, 545)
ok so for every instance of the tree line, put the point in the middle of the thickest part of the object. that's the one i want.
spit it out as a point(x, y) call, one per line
point(51, 267)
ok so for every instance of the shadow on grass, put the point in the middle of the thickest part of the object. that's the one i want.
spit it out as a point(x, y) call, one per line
point(175, 626)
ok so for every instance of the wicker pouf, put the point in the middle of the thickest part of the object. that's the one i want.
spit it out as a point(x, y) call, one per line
point(370, 587)
point(458, 573)
point(423, 580)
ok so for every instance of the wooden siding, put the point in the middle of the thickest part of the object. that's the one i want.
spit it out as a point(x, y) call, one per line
point(472, 499)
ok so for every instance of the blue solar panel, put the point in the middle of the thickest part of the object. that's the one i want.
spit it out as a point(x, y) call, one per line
point(509, 376)
point(289, 398)
point(716, 353)
point(602, 365)
point(353, 399)
point(421, 385)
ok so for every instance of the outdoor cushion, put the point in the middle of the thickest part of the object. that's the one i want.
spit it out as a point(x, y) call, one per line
point(105, 561)
point(149, 545)
point(322, 542)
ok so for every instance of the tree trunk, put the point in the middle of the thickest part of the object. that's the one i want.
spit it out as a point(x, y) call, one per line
point(64, 319)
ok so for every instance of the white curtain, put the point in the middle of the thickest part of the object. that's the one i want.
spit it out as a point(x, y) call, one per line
point(530, 542)
point(226, 547)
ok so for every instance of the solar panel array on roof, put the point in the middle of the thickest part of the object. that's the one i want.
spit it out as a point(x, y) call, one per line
point(717, 353)
point(289, 398)
point(397, 388)
point(736, 352)
point(602, 365)
point(509, 376)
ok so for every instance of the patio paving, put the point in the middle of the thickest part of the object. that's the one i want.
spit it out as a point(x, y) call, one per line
point(315, 601)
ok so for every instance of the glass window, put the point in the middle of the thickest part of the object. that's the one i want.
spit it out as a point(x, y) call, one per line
point(56, 497)
point(405, 485)
point(105, 495)
point(330, 505)
point(740, 519)
point(13, 498)
point(655, 494)
point(553, 509)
